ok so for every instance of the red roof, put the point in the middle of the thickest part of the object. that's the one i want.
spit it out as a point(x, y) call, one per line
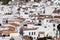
point(56, 11)
point(30, 22)
point(41, 32)
point(29, 28)
point(57, 17)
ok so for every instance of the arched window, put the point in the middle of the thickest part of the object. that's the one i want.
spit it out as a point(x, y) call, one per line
point(0, 24)
point(6, 21)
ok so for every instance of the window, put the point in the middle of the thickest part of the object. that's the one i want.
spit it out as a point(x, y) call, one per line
point(46, 20)
point(18, 9)
point(26, 0)
point(34, 33)
point(0, 24)
point(6, 21)
point(4, 35)
point(26, 13)
point(39, 24)
point(34, 37)
point(50, 21)
point(8, 13)
point(44, 11)
point(31, 11)
point(29, 33)
point(39, 20)
point(53, 25)
point(8, 35)
point(25, 24)
point(45, 27)
point(53, 29)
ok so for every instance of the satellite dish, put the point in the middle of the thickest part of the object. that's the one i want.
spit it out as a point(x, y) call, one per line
point(58, 27)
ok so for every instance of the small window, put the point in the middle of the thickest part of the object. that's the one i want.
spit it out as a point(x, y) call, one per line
point(25, 24)
point(53, 29)
point(8, 35)
point(6, 21)
point(4, 35)
point(39, 20)
point(31, 11)
point(34, 37)
point(29, 33)
point(18, 9)
point(39, 24)
point(8, 13)
point(53, 25)
point(46, 20)
point(34, 33)
point(26, 0)
point(0, 24)
point(44, 11)
point(45, 27)
point(26, 13)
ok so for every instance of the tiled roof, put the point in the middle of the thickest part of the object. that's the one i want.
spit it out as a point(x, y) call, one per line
point(8, 32)
point(56, 21)
point(57, 17)
point(11, 29)
point(46, 16)
point(14, 24)
point(56, 11)
point(41, 32)
point(40, 18)
point(18, 20)
point(30, 28)
point(29, 22)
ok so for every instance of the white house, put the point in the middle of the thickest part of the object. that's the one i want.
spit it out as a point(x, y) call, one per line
point(31, 32)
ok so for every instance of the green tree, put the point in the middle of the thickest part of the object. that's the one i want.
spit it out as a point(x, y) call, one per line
point(5, 2)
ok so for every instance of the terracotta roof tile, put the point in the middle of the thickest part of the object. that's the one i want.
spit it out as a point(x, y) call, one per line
point(56, 11)
point(57, 17)
point(8, 32)
point(41, 32)
point(19, 20)
point(30, 28)
point(14, 24)
point(39, 18)
point(30, 22)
